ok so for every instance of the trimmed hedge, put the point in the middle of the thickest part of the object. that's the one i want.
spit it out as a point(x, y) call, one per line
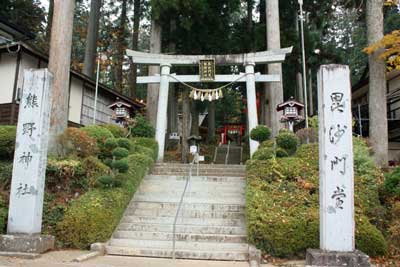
point(149, 144)
point(261, 133)
point(3, 215)
point(7, 141)
point(283, 203)
point(117, 131)
point(99, 133)
point(93, 217)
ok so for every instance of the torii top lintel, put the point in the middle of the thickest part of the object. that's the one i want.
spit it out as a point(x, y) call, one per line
point(266, 57)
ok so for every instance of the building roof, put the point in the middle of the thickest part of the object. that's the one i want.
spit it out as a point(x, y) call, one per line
point(291, 103)
point(102, 87)
point(16, 32)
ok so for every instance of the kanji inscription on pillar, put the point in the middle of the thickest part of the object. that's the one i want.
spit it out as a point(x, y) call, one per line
point(336, 159)
point(30, 157)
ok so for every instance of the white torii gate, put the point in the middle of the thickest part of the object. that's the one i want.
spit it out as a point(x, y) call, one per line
point(167, 61)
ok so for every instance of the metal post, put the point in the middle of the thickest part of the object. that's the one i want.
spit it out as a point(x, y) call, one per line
point(97, 90)
point(304, 62)
point(360, 120)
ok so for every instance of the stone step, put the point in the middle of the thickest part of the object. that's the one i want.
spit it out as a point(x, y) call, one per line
point(238, 200)
point(195, 183)
point(216, 179)
point(185, 206)
point(185, 213)
point(184, 221)
point(190, 194)
point(179, 245)
point(218, 174)
point(202, 166)
point(192, 229)
point(168, 236)
point(179, 254)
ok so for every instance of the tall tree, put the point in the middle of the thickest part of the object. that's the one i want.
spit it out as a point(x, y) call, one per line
point(152, 89)
point(274, 91)
point(49, 19)
point(121, 45)
point(91, 38)
point(59, 65)
point(378, 125)
point(211, 121)
point(135, 45)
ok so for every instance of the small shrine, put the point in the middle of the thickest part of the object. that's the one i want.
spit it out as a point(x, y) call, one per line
point(122, 112)
point(291, 112)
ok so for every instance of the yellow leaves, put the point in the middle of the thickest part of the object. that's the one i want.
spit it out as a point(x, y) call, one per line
point(391, 3)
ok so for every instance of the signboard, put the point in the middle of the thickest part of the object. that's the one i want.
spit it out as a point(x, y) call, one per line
point(336, 159)
point(30, 158)
point(207, 70)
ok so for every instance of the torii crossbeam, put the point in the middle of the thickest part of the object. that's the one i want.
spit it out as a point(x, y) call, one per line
point(165, 62)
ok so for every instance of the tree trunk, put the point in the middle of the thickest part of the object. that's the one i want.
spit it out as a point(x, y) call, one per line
point(275, 92)
point(120, 49)
point(211, 121)
point(300, 90)
point(91, 38)
point(378, 125)
point(172, 110)
point(135, 46)
point(310, 93)
point(59, 66)
point(152, 89)
point(49, 19)
point(250, 24)
point(194, 130)
point(185, 125)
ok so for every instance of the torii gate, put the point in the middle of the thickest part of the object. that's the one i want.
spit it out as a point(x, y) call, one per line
point(167, 61)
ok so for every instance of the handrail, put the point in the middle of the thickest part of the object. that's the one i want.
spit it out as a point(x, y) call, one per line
point(241, 155)
point(227, 154)
point(215, 154)
point(180, 206)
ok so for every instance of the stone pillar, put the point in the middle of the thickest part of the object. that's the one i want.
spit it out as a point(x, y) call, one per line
point(29, 167)
point(251, 104)
point(337, 238)
point(162, 110)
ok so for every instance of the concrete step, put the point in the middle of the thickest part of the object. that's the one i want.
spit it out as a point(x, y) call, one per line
point(202, 166)
point(184, 221)
point(181, 178)
point(192, 229)
point(216, 173)
point(238, 200)
point(179, 245)
point(190, 194)
point(185, 206)
point(168, 183)
point(179, 254)
point(168, 236)
point(186, 213)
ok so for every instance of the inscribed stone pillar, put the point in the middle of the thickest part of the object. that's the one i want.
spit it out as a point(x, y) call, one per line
point(162, 110)
point(337, 242)
point(251, 104)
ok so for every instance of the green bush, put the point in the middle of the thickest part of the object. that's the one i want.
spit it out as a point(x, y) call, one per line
point(268, 143)
point(145, 142)
point(120, 153)
point(124, 142)
point(100, 134)
point(288, 141)
point(121, 165)
point(5, 175)
point(7, 141)
point(67, 174)
point(106, 181)
point(142, 128)
point(100, 210)
point(110, 144)
point(261, 133)
point(283, 203)
point(264, 154)
point(75, 141)
point(281, 153)
point(116, 130)
point(94, 168)
point(3, 215)
point(391, 185)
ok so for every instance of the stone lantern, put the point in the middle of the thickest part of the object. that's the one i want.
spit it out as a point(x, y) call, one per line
point(121, 112)
point(291, 112)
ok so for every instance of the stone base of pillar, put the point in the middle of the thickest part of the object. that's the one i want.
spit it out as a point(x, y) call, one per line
point(26, 244)
point(356, 258)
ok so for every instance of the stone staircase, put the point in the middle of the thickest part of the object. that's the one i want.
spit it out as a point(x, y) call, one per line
point(234, 157)
point(211, 225)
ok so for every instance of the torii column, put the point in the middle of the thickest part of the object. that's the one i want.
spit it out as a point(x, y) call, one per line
point(251, 104)
point(162, 109)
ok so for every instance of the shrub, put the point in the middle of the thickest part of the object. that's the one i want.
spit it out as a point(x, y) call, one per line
point(394, 229)
point(288, 141)
point(7, 141)
point(64, 174)
point(116, 130)
point(369, 239)
point(281, 153)
point(94, 168)
point(124, 142)
point(75, 141)
point(110, 144)
point(100, 210)
point(120, 153)
point(391, 185)
point(6, 169)
point(106, 181)
point(100, 134)
point(307, 135)
point(121, 165)
point(310, 154)
point(268, 143)
point(260, 134)
point(264, 154)
point(141, 128)
point(3, 215)
point(145, 142)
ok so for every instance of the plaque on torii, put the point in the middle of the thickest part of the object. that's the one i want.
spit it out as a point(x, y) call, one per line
point(207, 73)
